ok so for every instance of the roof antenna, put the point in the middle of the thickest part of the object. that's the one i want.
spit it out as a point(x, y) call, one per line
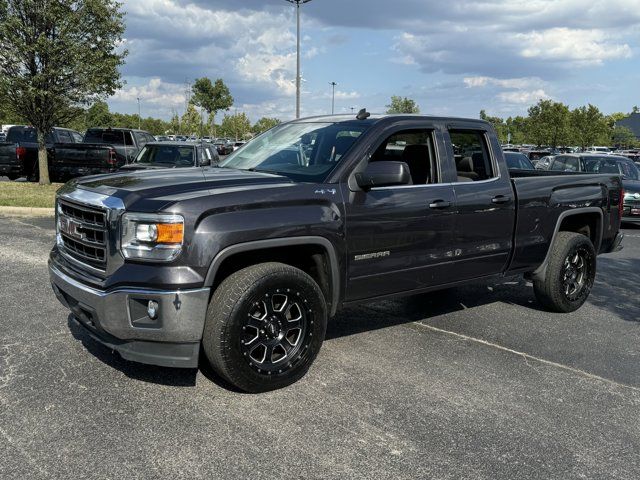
point(363, 114)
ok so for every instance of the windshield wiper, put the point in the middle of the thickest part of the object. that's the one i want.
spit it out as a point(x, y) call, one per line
point(253, 169)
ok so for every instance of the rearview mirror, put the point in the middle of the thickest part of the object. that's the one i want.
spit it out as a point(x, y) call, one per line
point(383, 174)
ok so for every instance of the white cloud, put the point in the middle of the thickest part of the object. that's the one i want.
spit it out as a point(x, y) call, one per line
point(580, 47)
point(155, 92)
point(340, 95)
point(522, 97)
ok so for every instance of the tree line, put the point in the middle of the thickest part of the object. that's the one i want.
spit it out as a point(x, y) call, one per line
point(554, 124)
point(192, 122)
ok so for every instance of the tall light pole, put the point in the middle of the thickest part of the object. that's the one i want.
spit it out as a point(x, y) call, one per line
point(297, 4)
point(333, 95)
point(138, 99)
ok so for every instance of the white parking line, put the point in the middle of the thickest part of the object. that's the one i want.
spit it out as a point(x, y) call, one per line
point(526, 356)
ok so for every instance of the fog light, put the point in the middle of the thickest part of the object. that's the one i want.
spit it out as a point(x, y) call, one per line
point(152, 309)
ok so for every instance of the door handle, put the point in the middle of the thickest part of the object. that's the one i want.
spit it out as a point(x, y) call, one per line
point(439, 204)
point(498, 199)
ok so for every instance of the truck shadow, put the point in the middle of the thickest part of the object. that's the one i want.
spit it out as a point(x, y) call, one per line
point(175, 377)
point(617, 287)
point(377, 315)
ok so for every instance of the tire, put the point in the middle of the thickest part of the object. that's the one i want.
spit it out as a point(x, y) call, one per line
point(13, 176)
point(570, 273)
point(264, 328)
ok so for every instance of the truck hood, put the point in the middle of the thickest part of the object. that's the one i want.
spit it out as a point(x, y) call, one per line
point(156, 188)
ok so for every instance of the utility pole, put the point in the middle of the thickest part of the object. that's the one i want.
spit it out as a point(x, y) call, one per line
point(297, 4)
point(139, 118)
point(333, 96)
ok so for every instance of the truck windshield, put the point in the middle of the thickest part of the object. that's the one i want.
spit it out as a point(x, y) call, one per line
point(305, 152)
point(166, 156)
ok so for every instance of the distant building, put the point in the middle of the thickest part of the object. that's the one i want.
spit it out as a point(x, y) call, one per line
point(632, 122)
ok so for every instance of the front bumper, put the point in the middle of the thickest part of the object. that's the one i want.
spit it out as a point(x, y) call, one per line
point(119, 320)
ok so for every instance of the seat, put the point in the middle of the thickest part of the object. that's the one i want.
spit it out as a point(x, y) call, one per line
point(465, 168)
point(418, 159)
point(479, 166)
point(340, 147)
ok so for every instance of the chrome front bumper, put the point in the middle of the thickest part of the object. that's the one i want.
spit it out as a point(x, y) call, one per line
point(119, 319)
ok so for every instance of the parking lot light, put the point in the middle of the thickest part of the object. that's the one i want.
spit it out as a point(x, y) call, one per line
point(297, 4)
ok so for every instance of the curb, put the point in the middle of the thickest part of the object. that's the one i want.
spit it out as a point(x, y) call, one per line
point(27, 211)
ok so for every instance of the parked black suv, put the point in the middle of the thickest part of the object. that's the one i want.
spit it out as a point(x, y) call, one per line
point(249, 259)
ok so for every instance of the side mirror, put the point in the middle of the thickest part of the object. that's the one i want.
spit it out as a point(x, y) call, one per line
point(383, 174)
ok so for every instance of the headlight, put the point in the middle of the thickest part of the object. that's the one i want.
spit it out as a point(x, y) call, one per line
point(153, 237)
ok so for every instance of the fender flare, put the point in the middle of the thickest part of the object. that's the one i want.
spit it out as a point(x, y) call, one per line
point(334, 270)
point(540, 272)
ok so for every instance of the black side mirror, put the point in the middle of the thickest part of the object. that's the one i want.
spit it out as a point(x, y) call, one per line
point(383, 174)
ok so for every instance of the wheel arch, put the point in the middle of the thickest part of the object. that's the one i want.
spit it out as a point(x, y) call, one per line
point(588, 220)
point(314, 249)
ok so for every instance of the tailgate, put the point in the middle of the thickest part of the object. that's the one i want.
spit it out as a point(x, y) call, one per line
point(82, 155)
point(8, 154)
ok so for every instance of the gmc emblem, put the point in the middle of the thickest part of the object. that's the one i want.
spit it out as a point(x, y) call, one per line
point(71, 228)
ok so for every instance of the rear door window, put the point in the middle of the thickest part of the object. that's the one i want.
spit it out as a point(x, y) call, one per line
point(566, 164)
point(25, 135)
point(471, 154)
point(111, 137)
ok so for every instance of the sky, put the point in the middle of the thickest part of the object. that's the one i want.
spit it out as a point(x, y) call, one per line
point(452, 57)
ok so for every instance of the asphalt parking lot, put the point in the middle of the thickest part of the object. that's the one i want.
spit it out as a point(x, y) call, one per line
point(475, 382)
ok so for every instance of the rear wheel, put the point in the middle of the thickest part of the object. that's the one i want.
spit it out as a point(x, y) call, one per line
point(570, 273)
point(265, 326)
point(13, 176)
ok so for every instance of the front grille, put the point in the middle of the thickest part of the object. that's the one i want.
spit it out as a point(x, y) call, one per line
point(83, 233)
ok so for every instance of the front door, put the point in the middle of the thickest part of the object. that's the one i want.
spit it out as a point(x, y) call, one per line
point(399, 238)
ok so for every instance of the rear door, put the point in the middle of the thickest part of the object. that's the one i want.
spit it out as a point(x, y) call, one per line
point(399, 237)
point(485, 201)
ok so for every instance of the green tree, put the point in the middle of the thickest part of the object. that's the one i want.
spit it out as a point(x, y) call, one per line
point(589, 126)
point(498, 124)
point(264, 124)
point(236, 126)
point(623, 137)
point(212, 97)
point(517, 128)
point(549, 123)
point(98, 115)
point(191, 120)
point(57, 55)
point(174, 124)
point(402, 105)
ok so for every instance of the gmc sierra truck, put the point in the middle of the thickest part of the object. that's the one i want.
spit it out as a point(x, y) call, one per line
point(247, 260)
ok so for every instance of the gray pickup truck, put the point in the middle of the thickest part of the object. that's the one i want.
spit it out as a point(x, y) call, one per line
point(248, 260)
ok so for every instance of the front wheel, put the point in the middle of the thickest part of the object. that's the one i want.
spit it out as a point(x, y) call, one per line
point(570, 273)
point(265, 326)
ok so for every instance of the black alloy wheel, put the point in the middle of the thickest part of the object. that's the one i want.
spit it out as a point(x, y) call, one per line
point(265, 326)
point(276, 331)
